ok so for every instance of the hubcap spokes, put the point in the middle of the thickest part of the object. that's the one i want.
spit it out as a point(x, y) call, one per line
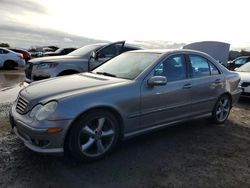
point(223, 109)
point(97, 136)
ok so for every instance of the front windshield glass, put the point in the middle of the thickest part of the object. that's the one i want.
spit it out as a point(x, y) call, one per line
point(244, 68)
point(127, 65)
point(85, 50)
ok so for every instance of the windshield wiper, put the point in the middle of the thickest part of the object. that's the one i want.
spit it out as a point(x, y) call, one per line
point(106, 74)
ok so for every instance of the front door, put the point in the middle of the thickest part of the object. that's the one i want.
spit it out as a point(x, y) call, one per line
point(106, 53)
point(168, 103)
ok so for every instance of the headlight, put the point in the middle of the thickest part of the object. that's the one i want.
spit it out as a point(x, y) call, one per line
point(42, 112)
point(47, 65)
point(240, 83)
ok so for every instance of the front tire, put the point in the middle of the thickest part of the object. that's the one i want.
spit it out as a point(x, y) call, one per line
point(93, 135)
point(222, 109)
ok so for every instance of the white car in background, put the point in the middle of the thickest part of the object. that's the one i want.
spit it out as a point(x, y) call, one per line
point(244, 72)
point(10, 59)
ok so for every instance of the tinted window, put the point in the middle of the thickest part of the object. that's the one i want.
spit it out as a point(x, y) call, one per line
point(240, 61)
point(110, 51)
point(174, 68)
point(199, 66)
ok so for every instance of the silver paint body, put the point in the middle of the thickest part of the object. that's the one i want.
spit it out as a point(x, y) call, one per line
point(139, 107)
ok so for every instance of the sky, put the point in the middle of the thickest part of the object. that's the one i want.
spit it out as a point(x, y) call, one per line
point(163, 20)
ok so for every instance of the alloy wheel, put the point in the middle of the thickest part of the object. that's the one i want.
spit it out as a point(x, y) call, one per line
point(223, 109)
point(96, 136)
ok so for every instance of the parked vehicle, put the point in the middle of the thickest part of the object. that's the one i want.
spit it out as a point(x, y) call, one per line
point(60, 51)
point(75, 62)
point(232, 65)
point(244, 72)
point(26, 54)
point(10, 59)
point(133, 93)
point(40, 51)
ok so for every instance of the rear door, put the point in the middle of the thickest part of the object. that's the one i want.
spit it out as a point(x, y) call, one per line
point(206, 84)
point(106, 53)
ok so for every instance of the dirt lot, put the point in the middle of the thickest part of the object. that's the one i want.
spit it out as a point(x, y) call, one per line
point(194, 154)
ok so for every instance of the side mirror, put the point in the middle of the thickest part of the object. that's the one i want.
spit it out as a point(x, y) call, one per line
point(157, 81)
point(93, 55)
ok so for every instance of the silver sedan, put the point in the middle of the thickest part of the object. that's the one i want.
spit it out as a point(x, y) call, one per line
point(87, 114)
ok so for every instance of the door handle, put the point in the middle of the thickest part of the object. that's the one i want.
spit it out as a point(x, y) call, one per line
point(187, 86)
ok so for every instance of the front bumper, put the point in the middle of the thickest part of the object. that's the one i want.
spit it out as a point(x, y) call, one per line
point(38, 139)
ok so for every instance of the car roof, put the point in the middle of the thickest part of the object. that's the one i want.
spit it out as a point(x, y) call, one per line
point(163, 51)
point(126, 45)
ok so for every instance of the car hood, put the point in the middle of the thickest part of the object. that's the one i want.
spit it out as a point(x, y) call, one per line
point(65, 86)
point(56, 59)
point(245, 76)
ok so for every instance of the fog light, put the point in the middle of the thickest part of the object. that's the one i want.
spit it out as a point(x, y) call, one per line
point(40, 143)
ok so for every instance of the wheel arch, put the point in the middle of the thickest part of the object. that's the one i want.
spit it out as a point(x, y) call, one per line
point(112, 110)
point(10, 60)
point(230, 96)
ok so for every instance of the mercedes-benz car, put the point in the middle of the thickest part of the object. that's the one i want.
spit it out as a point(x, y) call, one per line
point(77, 61)
point(87, 114)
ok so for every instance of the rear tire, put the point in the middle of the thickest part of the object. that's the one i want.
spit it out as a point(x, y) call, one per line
point(9, 65)
point(221, 109)
point(93, 135)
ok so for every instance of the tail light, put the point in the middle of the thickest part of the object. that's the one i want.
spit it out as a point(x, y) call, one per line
point(20, 55)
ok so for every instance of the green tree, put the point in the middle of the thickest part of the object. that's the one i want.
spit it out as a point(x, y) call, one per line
point(5, 45)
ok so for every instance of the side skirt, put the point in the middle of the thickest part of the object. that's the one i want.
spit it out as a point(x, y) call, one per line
point(161, 126)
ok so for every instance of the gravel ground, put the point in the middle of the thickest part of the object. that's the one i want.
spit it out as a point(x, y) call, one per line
point(194, 154)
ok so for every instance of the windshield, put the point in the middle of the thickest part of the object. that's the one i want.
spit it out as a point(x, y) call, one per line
point(127, 65)
point(85, 50)
point(244, 68)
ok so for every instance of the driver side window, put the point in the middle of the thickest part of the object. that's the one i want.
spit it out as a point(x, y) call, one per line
point(173, 68)
point(110, 51)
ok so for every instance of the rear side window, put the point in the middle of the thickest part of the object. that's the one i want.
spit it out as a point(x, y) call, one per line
point(200, 67)
point(3, 51)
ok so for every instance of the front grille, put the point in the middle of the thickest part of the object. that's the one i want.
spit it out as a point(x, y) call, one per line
point(245, 84)
point(21, 105)
point(28, 70)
